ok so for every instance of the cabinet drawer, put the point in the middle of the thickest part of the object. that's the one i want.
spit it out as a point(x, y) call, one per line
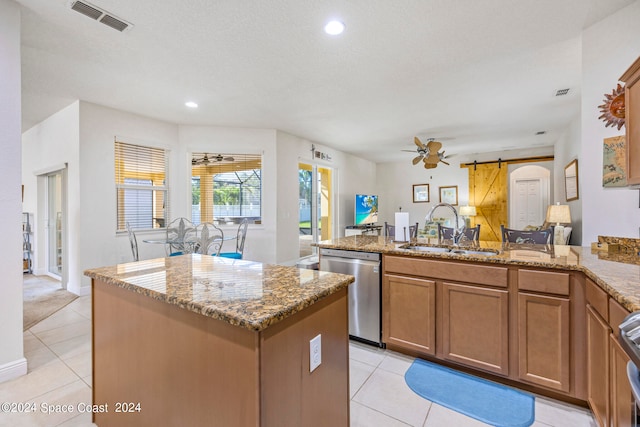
point(455, 271)
point(597, 298)
point(549, 282)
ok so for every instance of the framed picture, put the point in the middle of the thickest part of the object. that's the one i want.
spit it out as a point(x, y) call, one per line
point(420, 193)
point(571, 180)
point(449, 194)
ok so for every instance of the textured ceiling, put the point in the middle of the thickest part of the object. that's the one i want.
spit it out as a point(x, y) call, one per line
point(479, 75)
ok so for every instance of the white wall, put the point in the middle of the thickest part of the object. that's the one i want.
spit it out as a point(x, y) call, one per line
point(82, 137)
point(12, 361)
point(394, 185)
point(260, 243)
point(567, 149)
point(351, 175)
point(609, 48)
point(46, 147)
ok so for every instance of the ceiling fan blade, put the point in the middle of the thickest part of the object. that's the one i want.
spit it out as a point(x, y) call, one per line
point(432, 158)
point(229, 159)
point(446, 163)
point(409, 151)
point(419, 143)
point(434, 146)
point(417, 159)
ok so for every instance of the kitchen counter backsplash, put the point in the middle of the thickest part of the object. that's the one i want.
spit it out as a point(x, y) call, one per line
point(626, 244)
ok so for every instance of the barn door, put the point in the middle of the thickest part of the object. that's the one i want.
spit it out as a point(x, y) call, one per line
point(488, 193)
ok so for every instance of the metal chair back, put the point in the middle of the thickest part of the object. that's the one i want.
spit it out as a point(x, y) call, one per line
point(132, 241)
point(538, 237)
point(209, 239)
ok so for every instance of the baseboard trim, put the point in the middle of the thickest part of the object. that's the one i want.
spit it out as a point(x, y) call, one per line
point(12, 370)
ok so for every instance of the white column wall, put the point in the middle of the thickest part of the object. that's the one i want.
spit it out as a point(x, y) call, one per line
point(12, 361)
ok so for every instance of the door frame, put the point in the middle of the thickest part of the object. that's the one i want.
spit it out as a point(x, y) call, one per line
point(43, 213)
point(528, 173)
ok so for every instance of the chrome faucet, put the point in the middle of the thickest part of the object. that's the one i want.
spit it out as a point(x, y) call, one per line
point(458, 231)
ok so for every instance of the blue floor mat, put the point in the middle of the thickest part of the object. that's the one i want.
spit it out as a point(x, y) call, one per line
point(483, 400)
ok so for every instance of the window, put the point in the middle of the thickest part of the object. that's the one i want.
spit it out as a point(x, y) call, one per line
point(142, 193)
point(226, 188)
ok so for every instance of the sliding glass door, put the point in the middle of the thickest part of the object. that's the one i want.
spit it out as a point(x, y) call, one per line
point(315, 206)
point(54, 224)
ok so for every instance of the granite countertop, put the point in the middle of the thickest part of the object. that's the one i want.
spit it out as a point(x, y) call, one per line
point(247, 294)
point(618, 274)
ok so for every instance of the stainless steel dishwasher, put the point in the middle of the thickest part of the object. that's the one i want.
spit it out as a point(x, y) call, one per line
point(364, 293)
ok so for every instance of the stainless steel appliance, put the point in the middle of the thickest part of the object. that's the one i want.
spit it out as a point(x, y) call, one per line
point(629, 339)
point(364, 293)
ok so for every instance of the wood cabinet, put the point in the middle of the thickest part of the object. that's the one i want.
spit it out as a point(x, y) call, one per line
point(544, 329)
point(622, 402)
point(598, 366)
point(544, 335)
point(409, 313)
point(520, 324)
point(475, 326)
point(608, 389)
point(631, 77)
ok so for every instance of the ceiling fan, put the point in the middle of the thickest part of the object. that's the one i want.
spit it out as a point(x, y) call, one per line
point(205, 160)
point(428, 153)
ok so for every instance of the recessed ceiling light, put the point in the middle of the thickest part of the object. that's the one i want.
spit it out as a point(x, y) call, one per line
point(191, 104)
point(334, 28)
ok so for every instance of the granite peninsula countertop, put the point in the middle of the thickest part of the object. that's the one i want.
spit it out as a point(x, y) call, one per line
point(617, 274)
point(247, 294)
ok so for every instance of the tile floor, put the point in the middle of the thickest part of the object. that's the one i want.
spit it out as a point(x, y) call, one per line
point(58, 350)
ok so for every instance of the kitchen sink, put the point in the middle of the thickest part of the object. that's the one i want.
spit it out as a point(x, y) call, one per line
point(440, 249)
point(422, 248)
point(488, 252)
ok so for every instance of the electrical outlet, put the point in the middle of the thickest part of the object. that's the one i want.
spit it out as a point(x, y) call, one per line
point(315, 353)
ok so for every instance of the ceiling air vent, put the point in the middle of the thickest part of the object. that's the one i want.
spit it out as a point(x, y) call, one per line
point(562, 92)
point(100, 15)
point(541, 132)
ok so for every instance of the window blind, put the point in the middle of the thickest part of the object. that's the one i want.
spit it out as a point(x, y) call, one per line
point(228, 187)
point(141, 186)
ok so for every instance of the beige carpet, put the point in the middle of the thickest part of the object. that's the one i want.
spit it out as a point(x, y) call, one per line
point(42, 297)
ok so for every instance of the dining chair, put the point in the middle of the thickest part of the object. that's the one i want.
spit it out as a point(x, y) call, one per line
point(133, 241)
point(390, 230)
point(241, 235)
point(539, 237)
point(181, 237)
point(472, 233)
point(209, 238)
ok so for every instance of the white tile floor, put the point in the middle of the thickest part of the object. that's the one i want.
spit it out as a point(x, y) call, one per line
point(58, 351)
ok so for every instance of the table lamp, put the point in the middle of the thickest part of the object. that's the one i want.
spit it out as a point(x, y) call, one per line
point(558, 214)
point(466, 212)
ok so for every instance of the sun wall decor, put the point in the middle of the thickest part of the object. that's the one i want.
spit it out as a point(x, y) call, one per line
point(613, 108)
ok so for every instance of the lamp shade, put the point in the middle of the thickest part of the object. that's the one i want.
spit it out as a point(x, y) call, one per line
point(558, 214)
point(468, 210)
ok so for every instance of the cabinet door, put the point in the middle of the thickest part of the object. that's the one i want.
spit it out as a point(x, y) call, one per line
point(622, 403)
point(475, 326)
point(409, 315)
point(543, 341)
point(598, 366)
point(632, 124)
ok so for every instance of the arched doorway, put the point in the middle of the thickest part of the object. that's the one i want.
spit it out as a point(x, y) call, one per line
point(529, 190)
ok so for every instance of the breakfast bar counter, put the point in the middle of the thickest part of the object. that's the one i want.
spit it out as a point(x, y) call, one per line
point(201, 340)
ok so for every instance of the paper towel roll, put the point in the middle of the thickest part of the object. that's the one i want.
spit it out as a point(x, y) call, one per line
point(402, 226)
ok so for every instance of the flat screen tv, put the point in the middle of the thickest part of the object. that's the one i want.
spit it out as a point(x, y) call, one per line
point(366, 209)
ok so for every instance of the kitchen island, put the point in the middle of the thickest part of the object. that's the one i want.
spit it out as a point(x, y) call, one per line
point(201, 340)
